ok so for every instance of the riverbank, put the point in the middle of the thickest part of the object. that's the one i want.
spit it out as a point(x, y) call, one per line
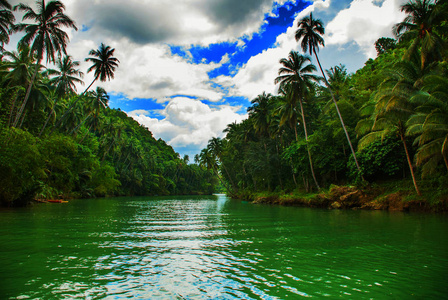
point(352, 197)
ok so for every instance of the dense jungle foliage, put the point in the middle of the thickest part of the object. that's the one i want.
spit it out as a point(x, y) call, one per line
point(388, 122)
point(57, 143)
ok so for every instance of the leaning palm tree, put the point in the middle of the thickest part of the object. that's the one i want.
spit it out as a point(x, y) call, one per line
point(310, 32)
point(104, 65)
point(64, 79)
point(297, 72)
point(45, 35)
point(6, 22)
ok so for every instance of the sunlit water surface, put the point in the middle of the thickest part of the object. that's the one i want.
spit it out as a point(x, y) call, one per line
point(217, 248)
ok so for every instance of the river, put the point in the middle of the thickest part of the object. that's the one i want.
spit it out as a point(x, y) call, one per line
point(212, 247)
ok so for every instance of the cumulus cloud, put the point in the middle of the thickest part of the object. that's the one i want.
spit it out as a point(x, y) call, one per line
point(364, 22)
point(189, 122)
point(172, 21)
point(150, 71)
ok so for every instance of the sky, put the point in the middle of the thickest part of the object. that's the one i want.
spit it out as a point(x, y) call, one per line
point(190, 67)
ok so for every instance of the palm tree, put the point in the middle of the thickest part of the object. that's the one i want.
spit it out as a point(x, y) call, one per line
point(104, 65)
point(424, 16)
point(310, 32)
point(6, 22)
point(296, 72)
point(260, 112)
point(17, 72)
point(45, 35)
point(393, 108)
point(430, 123)
point(97, 101)
point(65, 78)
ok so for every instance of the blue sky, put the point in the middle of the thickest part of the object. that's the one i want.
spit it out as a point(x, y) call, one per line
point(189, 68)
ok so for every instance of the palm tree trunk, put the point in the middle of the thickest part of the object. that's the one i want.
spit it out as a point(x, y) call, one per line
point(444, 151)
point(307, 147)
point(49, 116)
point(339, 113)
point(410, 163)
point(13, 105)
point(80, 142)
point(71, 106)
point(82, 122)
point(27, 95)
point(108, 149)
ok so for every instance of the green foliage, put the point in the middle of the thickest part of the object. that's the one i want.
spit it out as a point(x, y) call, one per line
point(21, 165)
point(380, 160)
point(384, 44)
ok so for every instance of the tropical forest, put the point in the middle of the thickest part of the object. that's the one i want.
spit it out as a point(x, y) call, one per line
point(332, 185)
point(375, 138)
point(381, 131)
point(56, 142)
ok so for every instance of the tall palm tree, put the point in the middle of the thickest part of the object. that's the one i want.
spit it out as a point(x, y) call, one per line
point(64, 79)
point(310, 32)
point(44, 35)
point(297, 73)
point(6, 22)
point(104, 65)
point(419, 26)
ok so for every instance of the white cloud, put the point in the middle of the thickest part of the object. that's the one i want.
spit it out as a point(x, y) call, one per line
point(364, 22)
point(189, 122)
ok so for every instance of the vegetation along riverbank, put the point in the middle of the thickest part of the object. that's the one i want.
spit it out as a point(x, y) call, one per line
point(384, 125)
point(58, 143)
point(375, 139)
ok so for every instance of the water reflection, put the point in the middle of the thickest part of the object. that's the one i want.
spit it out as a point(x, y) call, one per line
point(212, 247)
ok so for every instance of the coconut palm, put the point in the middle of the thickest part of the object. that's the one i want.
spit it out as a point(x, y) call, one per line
point(104, 65)
point(297, 74)
point(45, 36)
point(260, 112)
point(430, 123)
point(17, 73)
point(419, 26)
point(96, 102)
point(65, 78)
point(393, 108)
point(6, 22)
point(310, 31)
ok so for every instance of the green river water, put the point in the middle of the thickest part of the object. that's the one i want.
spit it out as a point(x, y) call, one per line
point(217, 248)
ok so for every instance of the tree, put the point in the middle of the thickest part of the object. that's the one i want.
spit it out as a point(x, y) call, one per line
point(64, 79)
point(45, 36)
point(384, 44)
point(393, 108)
point(297, 73)
point(430, 123)
point(419, 27)
point(104, 65)
point(310, 32)
point(260, 111)
point(6, 22)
